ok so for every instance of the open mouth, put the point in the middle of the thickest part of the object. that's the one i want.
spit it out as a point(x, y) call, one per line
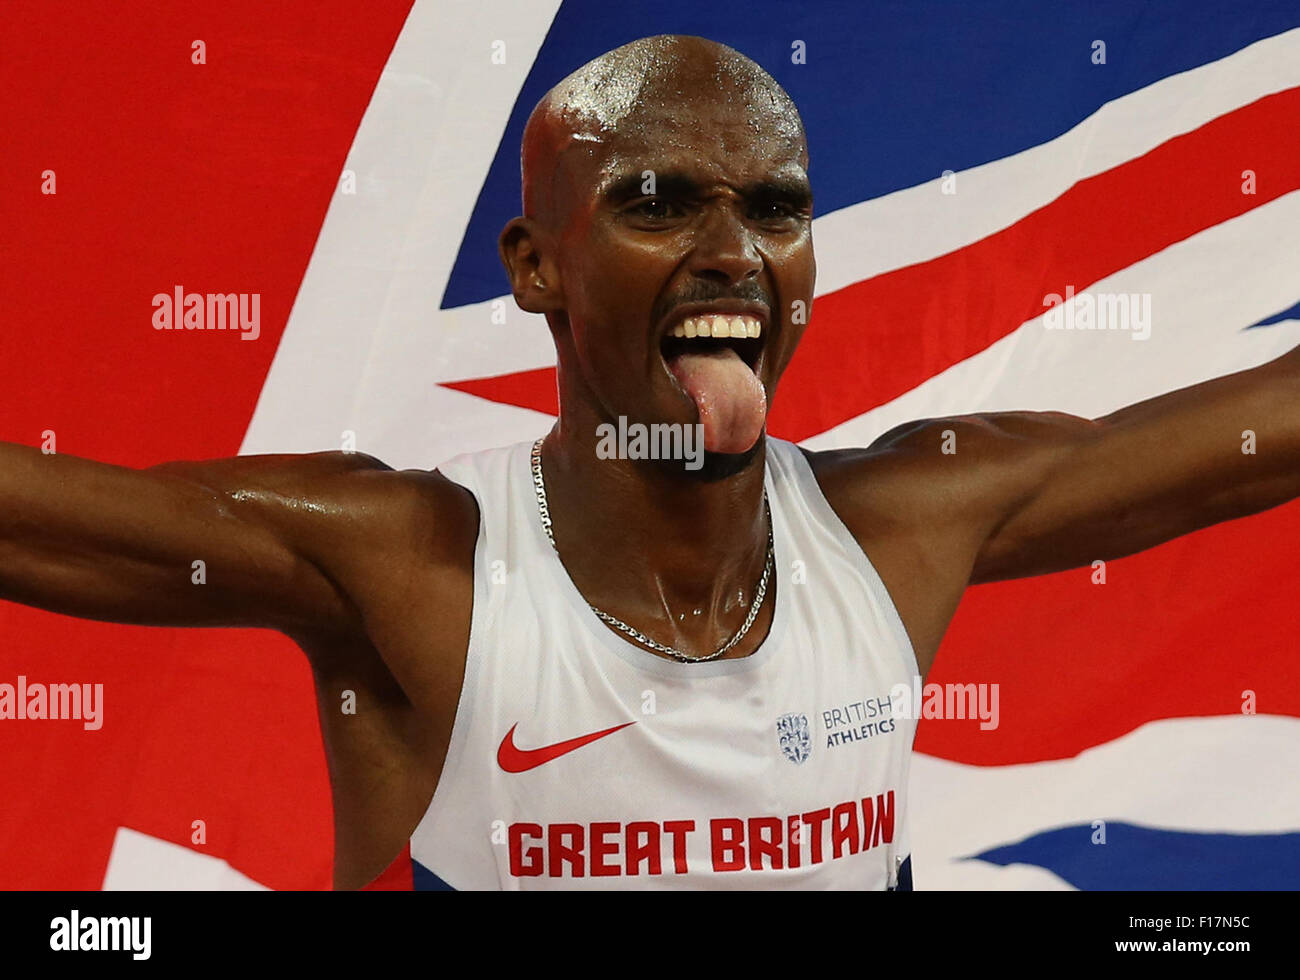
point(715, 358)
point(714, 333)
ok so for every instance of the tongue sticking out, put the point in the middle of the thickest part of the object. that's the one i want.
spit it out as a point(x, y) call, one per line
point(730, 398)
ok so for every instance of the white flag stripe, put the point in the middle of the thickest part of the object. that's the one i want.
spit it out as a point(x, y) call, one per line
point(1203, 290)
point(929, 874)
point(1254, 790)
point(139, 862)
point(440, 423)
point(366, 318)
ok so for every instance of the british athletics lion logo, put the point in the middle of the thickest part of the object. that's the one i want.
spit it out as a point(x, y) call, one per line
point(795, 739)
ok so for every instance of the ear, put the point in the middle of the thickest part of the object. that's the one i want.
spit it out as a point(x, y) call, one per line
point(526, 252)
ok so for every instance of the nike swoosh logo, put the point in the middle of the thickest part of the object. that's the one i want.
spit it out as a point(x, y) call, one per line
point(511, 758)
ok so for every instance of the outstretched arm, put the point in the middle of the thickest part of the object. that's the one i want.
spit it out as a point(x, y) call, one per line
point(106, 542)
point(1042, 492)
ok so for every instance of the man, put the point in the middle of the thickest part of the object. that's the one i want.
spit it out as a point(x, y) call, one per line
point(580, 671)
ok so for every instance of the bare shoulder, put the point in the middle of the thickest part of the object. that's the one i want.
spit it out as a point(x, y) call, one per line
point(339, 530)
point(901, 497)
point(404, 508)
point(956, 469)
point(316, 499)
point(922, 500)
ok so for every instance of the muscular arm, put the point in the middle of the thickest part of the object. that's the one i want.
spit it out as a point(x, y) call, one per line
point(1042, 492)
point(1027, 493)
point(106, 542)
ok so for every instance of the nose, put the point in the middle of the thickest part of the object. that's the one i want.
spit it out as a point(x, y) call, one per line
point(724, 247)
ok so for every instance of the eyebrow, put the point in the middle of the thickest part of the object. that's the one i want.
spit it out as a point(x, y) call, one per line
point(794, 191)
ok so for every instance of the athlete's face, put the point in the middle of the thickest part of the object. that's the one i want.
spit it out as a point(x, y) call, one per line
point(694, 206)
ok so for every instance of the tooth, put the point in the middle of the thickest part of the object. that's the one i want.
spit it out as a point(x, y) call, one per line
point(738, 328)
point(689, 326)
point(755, 328)
point(679, 331)
point(720, 327)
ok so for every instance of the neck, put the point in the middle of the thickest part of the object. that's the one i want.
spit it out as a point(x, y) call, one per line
point(656, 545)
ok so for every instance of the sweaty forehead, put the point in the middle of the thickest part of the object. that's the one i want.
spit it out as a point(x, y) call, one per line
point(698, 125)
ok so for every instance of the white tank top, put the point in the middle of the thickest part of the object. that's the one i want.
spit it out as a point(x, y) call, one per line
point(580, 760)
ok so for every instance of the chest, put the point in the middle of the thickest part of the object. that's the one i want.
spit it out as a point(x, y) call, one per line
point(793, 762)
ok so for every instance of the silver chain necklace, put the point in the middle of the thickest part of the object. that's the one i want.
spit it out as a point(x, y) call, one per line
point(540, 486)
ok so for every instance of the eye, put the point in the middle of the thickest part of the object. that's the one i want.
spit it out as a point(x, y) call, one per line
point(656, 209)
point(773, 211)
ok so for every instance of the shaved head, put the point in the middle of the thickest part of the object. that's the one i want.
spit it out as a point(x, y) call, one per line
point(633, 93)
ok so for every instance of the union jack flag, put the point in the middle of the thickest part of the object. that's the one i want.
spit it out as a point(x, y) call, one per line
point(354, 167)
